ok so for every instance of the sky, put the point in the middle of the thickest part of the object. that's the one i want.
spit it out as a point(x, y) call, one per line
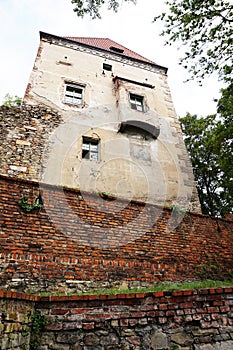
point(132, 26)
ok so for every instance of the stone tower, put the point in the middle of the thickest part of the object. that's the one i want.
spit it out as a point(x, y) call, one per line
point(119, 135)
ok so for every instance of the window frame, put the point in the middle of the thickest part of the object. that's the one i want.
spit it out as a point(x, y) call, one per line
point(88, 153)
point(136, 101)
point(71, 98)
point(107, 67)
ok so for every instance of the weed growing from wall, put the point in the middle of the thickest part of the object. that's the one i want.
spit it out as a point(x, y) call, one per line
point(212, 270)
point(38, 324)
point(37, 205)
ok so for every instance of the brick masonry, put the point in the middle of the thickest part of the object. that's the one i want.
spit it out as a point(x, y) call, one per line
point(186, 320)
point(80, 241)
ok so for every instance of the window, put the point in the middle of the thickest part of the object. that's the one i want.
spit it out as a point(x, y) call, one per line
point(136, 102)
point(107, 67)
point(74, 94)
point(116, 49)
point(90, 148)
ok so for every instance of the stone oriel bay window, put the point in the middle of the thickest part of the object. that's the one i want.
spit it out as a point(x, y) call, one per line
point(74, 94)
point(137, 127)
point(90, 148)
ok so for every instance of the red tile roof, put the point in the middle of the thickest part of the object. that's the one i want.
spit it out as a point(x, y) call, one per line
point(106, 44)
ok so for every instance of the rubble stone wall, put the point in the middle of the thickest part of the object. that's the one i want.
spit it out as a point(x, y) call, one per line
point(24, 134)
point(185, 320)
point(15, 312)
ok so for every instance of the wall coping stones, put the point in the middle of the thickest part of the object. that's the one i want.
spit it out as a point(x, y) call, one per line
point(7, 294)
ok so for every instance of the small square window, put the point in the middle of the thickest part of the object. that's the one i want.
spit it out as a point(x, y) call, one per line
point(137, 102)
point(74, 94)
point(107, 67)
point(90, 148)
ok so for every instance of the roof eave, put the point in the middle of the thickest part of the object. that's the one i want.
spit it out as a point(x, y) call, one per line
point(44, 34)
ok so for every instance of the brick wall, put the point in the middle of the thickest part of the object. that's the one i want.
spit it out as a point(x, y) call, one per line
point(79, 241)
point(186, 320)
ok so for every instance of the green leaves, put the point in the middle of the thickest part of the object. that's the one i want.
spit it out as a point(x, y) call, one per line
point(92, 7)
point(38, 324)
point(12, 101)
point(204, 26)
point(210, 148)
point(37, 205)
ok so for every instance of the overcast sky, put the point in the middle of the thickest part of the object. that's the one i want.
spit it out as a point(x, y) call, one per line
point(21, 21)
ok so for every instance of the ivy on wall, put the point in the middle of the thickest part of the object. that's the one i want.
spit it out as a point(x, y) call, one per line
point(37, 205)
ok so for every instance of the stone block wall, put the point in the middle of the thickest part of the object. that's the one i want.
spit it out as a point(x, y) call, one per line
point(15, 312)
point(179, 320)
point(79, 242)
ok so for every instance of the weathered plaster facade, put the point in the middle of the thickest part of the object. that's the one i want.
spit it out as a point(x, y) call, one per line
point(148, 162)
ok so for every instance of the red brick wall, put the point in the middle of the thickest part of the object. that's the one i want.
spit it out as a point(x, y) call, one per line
point(162, 320)
point(188, 319)
point(83, 237)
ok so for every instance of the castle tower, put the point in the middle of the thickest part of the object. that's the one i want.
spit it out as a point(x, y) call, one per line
point(120, 135)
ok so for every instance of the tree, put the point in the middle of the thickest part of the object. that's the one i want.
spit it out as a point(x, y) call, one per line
point(12, 101)
point(225, 105)
point(204, 27)
point(211, 156)
point(225, 132)
point(92, 7)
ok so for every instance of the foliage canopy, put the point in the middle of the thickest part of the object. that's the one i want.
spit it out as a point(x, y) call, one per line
point(204, 27)
point(209, 144)
point(92, 7)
